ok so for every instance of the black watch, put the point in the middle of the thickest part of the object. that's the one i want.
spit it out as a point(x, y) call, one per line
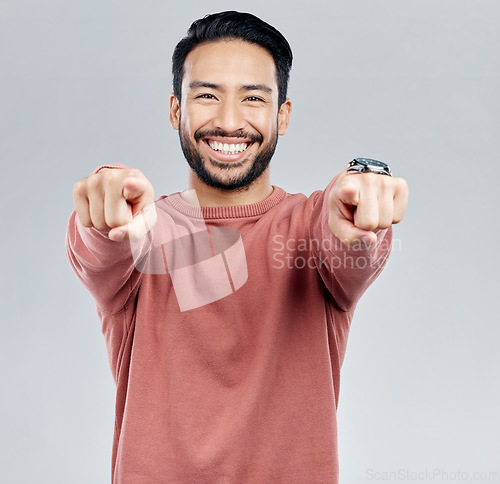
point(367, 165)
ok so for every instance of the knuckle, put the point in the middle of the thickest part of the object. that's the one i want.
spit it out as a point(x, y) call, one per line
point(385, 182)
point(94, 182)
point(385, 223)
point(115, 220)
point(372, 178)
point(84, 219)
point(97, 222)
point(402, 184)
point(368, 224)
point(110, 177)
point(80, 189)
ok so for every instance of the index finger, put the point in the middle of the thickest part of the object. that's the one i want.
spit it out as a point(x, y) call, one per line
point(116, 210)
point(366, 216)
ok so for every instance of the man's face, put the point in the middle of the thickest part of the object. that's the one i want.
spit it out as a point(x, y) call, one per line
point(228, 118)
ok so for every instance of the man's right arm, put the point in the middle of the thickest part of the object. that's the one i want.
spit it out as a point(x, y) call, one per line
point(112, 207)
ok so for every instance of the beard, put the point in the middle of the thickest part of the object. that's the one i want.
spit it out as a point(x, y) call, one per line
point(228, 177)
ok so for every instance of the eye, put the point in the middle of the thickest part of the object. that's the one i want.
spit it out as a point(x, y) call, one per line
point(205, 96)
point(254, 98)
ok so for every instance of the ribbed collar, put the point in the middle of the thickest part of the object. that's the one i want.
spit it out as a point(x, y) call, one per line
point(233, 211)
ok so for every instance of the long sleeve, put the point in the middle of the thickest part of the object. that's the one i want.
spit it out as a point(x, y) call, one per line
point(346, 271)
point(105, 267)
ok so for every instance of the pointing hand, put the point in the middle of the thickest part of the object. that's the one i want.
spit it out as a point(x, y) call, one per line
point(361, 203)
point(118, 199)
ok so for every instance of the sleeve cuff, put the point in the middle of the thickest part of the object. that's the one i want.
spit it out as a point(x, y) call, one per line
point(112, 165)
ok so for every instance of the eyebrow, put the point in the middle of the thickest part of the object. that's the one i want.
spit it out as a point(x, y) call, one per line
point(256, 87)
point(218, 87)
point(209, 85)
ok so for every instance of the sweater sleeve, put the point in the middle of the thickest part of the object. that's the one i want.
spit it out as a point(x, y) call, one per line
point(105, 267)
point(346, 271)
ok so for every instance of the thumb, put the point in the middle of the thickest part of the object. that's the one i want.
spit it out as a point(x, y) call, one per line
point(138, 227)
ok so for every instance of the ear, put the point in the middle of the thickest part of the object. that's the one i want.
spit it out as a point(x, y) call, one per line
point(175, 112)
point(284, 116)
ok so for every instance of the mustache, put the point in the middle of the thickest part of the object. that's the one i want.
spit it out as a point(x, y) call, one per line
point(219, 133)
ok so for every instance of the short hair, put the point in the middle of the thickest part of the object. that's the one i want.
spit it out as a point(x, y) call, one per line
point(235, 25)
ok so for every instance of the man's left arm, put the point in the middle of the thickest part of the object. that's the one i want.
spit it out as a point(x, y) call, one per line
point(351, 227)
point(363, 203)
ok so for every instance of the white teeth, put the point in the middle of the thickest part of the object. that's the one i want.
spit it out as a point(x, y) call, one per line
point(228, 149)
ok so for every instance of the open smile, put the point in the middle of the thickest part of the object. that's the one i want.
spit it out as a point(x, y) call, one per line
point(227, 149)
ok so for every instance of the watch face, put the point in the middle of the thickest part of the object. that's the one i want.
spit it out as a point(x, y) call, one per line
point(368, 162)
point(368, 165)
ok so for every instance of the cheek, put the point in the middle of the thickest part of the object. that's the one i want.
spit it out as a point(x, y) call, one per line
point(187, 126)
point(194, 119)
point(265, 123)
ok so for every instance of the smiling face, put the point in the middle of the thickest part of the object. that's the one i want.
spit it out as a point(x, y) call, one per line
point(228, 118)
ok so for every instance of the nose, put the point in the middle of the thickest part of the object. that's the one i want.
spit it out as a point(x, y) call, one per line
point(229, 117)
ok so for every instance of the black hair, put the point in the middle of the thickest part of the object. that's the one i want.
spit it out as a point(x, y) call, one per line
point(235, 25)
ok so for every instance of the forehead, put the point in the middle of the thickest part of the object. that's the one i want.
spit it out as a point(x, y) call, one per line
point(230, 62)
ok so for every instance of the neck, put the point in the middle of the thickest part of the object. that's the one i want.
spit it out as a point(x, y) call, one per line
point(208, 196)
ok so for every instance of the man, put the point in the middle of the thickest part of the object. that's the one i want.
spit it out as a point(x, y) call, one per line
point(226, 307)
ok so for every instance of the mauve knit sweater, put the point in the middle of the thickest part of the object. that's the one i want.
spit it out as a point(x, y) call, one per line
point(226, 344)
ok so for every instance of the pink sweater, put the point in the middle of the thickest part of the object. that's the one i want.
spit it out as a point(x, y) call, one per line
point(226, 345)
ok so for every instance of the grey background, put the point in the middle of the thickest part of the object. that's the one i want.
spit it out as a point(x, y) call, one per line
point(415, 83)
